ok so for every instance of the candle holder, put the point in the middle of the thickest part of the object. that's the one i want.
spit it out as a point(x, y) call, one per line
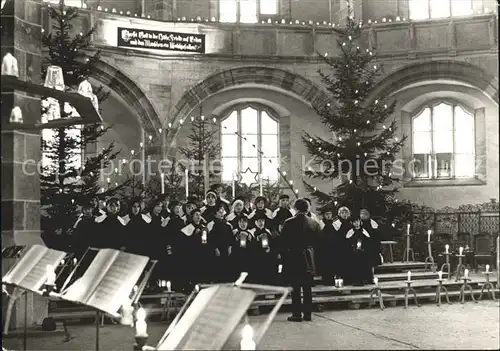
point(467, 286)
point(47, 289)
point(408, 250)
point(376, 290)
point(429, 259)
point(409, 289)
point(440, 288)
point(167, 306)
point(460, 267)
point(446, 264)
point(140, 342)
point(489, 286)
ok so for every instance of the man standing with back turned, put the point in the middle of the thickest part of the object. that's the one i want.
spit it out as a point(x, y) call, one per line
point(299, 235)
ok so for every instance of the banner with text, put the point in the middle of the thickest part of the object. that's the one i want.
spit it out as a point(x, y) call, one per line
point(156, 40)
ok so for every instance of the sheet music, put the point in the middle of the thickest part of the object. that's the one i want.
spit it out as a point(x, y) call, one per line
point(36, 277)
point(118, 282)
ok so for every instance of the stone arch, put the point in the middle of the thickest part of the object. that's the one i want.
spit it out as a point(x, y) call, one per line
point(299, 86)
point(435, 70)
point(117, 81)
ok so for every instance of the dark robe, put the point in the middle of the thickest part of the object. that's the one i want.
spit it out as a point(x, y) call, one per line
point(266, 260)
point(224, 203)
point(268, 214)
point(340, 250)
point(233, 218)
point(327, 249)
point(84, 233)
point(138, 234)
point(360, 258)
point(373, 229)
point(165, 213)
point(110, 231)
point(280, 215)
point(243, 254)
point(208, 212)
point(176, 240)
point(199, 258)
point(222, 233)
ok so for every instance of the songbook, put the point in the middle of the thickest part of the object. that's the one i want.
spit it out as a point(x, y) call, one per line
point(210, 319)
point(30, 272)
point(108, 282)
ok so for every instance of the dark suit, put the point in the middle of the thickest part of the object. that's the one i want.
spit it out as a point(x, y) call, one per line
point(298, 236)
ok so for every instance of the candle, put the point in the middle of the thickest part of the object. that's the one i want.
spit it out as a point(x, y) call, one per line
point(460, 250)
point(466, 274)
point(341, 283)
point(375, 280)
point(358, 245)
point(265, 243)
point(234, 188)
point(162, 183)
point(280, 268)
point(243, 241)
point(487, 268)
point(429, 235)
point(409, 276)
point(440, 275)
point(247, 342)
point(260, 184)
point(169, 286)
point(408, 229)
point(204, 237)
point(446, 248)
point(141, 328)
point(50, 275)
point(127, 313)
point(186, 172)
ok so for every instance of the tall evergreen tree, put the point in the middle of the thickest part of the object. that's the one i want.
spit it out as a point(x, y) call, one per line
point(361, 152)
point(66, 179)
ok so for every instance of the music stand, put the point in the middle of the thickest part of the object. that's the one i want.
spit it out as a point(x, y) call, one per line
point(213, 317)
point(29, 274)
point(108, 283)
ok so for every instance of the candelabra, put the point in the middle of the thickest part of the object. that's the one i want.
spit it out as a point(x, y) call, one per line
point(440, 288)
point(409, 289)
point(408, 250)
point(429, 259)
point(489, 286)
point(376, 291)
point(446, 264)
point(467, 286)
point(460, 267)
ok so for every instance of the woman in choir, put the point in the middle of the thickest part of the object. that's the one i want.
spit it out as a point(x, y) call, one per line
point(156, 236)
point(360, 261)
point(243, 252)
point(373, 229)
point(261, 209)
point(236, 212)
point(208, 211)
point(84, 233)
point(111, 227)
point(310, 214)
point(221, 201)
point(341, 226)
point(188, 207)
point(326, 248)
point(165, 199)
point(137, 229)
point(266, 255)
point(282, 213)
point(176, 240)
point(220, 231)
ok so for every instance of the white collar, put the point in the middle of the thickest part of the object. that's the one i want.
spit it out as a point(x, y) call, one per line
point(350, 233)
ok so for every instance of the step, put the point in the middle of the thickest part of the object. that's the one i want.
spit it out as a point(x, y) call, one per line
point(429, 295)
point(327, 299)
point(403, 276)
point(399, 266)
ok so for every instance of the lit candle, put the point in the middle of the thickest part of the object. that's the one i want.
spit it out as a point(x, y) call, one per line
point(162, 183)
point(204, 237)
point(487, 268)
point(447, 248)
point(280, 268)
point(408, 229)
point(234, 187)
point(460, 250)
point(466, 274)
point(265, 242)
point(409, 276)
point(337, 283)
point(440, 275)
point(50, 275)
point(247, 342)
point(186, 172)
point(260, 184)
point(127, 313)
point(141, 328)
point(243, 241)
point(169, 286)
point(341, 283)
point(375, 280)
point(429, 235)
point(358, 245)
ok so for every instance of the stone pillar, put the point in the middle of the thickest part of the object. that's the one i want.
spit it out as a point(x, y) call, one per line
point(159, 9)
point(21, 150)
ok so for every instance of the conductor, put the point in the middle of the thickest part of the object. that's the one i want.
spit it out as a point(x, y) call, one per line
point(298, 236)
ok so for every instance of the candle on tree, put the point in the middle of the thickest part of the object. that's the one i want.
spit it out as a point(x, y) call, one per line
point(466, 274)
point(408, 229)
point(162, 176)
point(50, 275)
point(460, 250)
point(409, 275)
point(440, 275)
point(260, 185)
point(429, 232)
point(186, 174)
point(375, 281)
point(487, 268)
point(233, 187)
point(447, 248)
point(169, 286)
point(280, 268)
point(141, 328)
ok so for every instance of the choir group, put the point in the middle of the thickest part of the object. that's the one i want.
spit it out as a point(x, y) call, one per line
point(213, 240)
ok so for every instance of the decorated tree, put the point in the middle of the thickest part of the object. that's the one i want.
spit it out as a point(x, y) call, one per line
point(199, 153)
point(363, 143)
point(67, 179)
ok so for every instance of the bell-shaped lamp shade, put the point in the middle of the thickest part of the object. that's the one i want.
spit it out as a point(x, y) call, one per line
point(16, 115)
point(85, 89)
point(9, 66)
point(54, 78)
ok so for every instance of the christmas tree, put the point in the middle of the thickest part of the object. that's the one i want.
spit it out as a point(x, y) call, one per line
point(199, 153)
point(361, 152)
point(66, 179)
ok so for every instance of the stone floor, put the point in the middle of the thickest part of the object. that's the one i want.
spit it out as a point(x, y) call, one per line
point(468, 326)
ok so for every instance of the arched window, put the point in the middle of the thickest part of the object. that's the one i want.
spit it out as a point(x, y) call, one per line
point(425, 9)
point(443, 142)
point(246, 11)
point(259, 131)
point(74, 155)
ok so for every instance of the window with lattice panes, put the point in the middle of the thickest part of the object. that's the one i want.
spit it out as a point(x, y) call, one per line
point(72, 3)
point(443, 142)
point(431, 9)
point(244, 132)
point(246, 11)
